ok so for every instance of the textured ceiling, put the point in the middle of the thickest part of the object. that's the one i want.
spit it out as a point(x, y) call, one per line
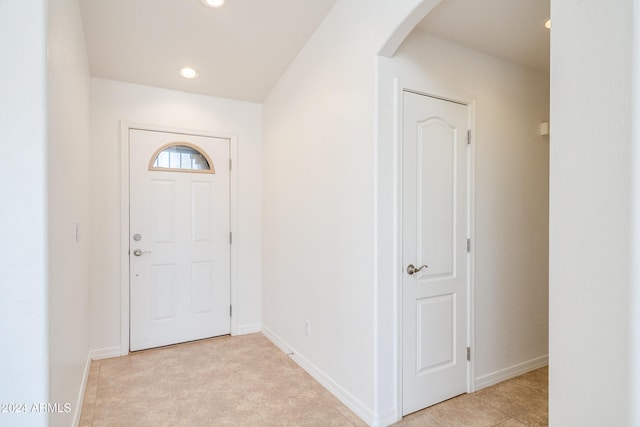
point(240, 49)
point(509, 29)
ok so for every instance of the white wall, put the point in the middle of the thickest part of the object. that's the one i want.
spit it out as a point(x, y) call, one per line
point(319, 201)
point(68, 187)
point(511, 195)
point(592, 117)
point(23, 224)
point(112, 102)
point(634, 301)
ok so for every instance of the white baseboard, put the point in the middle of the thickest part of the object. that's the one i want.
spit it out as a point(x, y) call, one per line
point(97, 354)
point(511, 372)
point(276, 340)
point(83, 385)
point(248, 329)
point(104, 353)
point(327, 382)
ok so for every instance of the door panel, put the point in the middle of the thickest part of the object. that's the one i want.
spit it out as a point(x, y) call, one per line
point(162, 213)
point(163, 291)
point(435, 333)
point(436, 174)
point(179, 223)
point(202, 273)
point(434, 319)
point(201, 213)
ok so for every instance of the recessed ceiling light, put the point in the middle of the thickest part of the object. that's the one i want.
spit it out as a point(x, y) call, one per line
point(188, 73)
point(547, 23)
point(213, 3)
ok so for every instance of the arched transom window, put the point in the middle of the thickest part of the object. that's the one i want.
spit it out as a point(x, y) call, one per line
point(181, 157)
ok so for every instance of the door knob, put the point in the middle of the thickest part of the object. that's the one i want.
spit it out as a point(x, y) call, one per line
point(411, 269)
point(138, 252)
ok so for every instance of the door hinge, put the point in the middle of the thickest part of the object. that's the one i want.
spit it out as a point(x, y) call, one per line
point(230, 311)
point(230, 164)
point(469, 137)
point(468, 354)
point(468, 245)
point(230, 238)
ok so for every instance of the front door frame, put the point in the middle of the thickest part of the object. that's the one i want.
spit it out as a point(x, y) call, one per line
point(469, 101)
point(125, 126)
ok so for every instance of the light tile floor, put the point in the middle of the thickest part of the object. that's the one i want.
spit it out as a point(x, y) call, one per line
point(246, 381)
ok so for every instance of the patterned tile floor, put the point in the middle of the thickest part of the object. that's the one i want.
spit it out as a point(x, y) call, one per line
point(520, 401)
point(246, 381)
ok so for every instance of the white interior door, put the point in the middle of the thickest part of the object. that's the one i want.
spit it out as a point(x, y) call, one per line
point(179, 238)
point(435, 276)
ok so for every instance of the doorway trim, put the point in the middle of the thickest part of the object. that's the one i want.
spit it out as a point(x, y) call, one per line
point(125, 126)
point(425, 89)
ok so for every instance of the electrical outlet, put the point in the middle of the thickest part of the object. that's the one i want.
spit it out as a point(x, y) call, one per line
point(307, 327)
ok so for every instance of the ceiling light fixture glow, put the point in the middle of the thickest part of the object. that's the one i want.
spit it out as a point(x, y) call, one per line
point(188, 73)
point(213, 3)
point(547, 23)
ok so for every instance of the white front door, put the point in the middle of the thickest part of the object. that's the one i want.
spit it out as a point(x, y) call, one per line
point(434, 250)
point(178, 238)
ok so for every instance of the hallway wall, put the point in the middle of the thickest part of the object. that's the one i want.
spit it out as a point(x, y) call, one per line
point(319, 203)
point(595, 134)
point(24, 370)
point(112, 102)
point(68, 199)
